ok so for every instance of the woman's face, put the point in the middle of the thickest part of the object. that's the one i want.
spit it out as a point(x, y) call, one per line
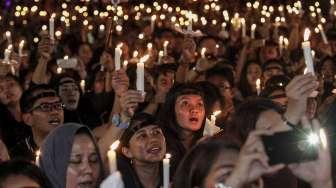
point(85, 53)
point(271, 120)
point(146, 145)
point(190, 112)
point(222, 168)
point(253, 73)
point(83, 169)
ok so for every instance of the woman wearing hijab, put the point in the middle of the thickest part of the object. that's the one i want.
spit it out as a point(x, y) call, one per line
point(70, 157)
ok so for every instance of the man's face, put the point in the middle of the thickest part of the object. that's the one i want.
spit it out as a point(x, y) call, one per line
point(69, 93)
point(10, 91)
point(46, 114)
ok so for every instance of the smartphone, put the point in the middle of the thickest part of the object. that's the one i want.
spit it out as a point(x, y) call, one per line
point(67, 63)
point(289, 147)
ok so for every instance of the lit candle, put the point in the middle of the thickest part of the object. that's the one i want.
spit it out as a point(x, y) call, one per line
point(21, 48)
point(281, 41)
point(125, 63)
point(213, 117)
point(112, 156)
point(153, 18)
point(307, 52)
point(7, 55)
point(166, 166)
point(149, 46)
point(286, 42)
point(253, 28)
point(82, 85)
point(324, 37)
point(258, 86)
point(52, 27)
point(190, 20)
point(203, 52)
point(243, 25)
point(37, 157)
point(140, 81)
point(160, 56)
point(8, 37)
point(117, 55)
point(165, 45)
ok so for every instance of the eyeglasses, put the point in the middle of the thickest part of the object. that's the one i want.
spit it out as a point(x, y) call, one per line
point(48, 107)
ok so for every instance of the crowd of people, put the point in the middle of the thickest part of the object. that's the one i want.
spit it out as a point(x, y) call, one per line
point(218, 78)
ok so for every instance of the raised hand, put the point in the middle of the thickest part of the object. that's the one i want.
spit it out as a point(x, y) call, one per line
point(129, 102)
point(120, 82)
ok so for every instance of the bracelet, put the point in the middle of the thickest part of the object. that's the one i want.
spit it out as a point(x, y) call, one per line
point(116, 120)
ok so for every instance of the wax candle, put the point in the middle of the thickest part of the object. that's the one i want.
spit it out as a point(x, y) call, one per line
point(37, 157)
point(160, 56)
point(82, 85)
point(165, 45)
point(8, 37)
point(7, 55)
point(140, 81)
point(258, 86)
point(307, 52)
point(253, 28)
point(213, 117)
point(112, 156)
point(21, 48)
point(281, 41)
point(166, 166)
point(117, 55)
point(153, 19)
point(324, 37)
point(190, 20)
point(203, 52)
point(52, 27)
point(243, 26)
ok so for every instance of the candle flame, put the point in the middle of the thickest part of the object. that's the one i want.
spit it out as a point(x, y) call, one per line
point(21, 43)
point(161, 53)
point(165, 44)
point(168, 156)
point(149, 45)
point(120, 45)
point(125, 63)
point(306, 34)
point(115, 145)
point(8, 34)
point(216, 113)
point(258, 82)
point(144, 58)
point(203, 52)
point(253, 26)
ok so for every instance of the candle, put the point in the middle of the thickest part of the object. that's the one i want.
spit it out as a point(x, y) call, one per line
point(203, 52)
point(165, 45)
point(243, 25)
point(258, 86)
point(281, 41)
point(8, 37)
point(307, 52)
point(82, 85)
point(149, 46)
point(21, 48)
point(166, 165)
point(135, 54)
point(59, 70)
point(286, 42)
point(125, 63)
point(52, 27)
point(160, 56)
point(37, 157)
point(213, 117)
point(331, 10)
point(190, 20)
point(7, 55)
point(153, 18)
point(112, 156)
point(117, 55)
point(324, 37)
point(140, 81)
point(253, 28)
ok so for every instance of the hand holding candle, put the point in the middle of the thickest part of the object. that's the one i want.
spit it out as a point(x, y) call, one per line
point(112, 156)
point(307, 52)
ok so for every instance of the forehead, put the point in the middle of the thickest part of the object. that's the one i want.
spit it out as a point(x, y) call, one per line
point(82, 140)
point(7, 80)
point(147, 128)
point(189, 97)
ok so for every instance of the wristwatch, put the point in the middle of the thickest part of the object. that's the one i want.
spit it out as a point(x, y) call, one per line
point(116, 120)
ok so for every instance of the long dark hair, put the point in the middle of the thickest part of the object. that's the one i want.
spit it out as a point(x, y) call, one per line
point(167, 115)
point(247, 114)
point(196, 165)
point(243, 84)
